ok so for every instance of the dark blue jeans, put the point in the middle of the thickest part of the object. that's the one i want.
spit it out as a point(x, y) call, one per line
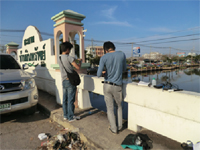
point(69, 92)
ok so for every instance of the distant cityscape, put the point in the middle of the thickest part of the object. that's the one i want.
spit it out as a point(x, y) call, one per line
point(95, 51)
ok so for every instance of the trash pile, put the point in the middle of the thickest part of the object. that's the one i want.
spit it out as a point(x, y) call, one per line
point(66, 139)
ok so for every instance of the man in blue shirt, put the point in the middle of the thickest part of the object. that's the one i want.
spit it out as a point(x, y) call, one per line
point(115, 64)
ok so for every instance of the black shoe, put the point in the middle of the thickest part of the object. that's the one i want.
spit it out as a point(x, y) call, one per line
point(115, 133)
point(120, 130)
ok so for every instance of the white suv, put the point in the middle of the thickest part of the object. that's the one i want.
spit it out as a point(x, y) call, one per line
point(17, 87)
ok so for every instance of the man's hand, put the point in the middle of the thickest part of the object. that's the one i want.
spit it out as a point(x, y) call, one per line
point(76, 64)
point(103, 73)
point(80, 60)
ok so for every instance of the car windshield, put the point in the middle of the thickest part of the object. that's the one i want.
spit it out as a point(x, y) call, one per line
point(8, 62)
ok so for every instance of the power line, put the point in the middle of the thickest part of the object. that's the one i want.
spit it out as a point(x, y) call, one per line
point(11, 35)
point(176, 41)
point(168, 38)
point(143, 44)
point(194, 28)
point(9, 30)
point(176, 49)
point(49, 34)
point(136, 43)
point(9, 41)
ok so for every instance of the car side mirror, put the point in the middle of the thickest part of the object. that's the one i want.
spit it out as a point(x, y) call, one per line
point(25, 66)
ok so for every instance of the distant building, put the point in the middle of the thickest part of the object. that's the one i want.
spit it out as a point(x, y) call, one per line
point(152, 55)
point(95, 51)
point(181, 54)
point(11, 48)
point(192, 54)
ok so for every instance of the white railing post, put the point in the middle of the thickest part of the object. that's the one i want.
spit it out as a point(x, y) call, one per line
point(83, 99)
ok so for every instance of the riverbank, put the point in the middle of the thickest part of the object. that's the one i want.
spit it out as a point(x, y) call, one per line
point(146, 69)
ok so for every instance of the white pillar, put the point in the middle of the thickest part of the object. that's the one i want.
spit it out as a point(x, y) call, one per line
point(80, 46)
point(72, 53)
point(58, 88)
point(83, 99)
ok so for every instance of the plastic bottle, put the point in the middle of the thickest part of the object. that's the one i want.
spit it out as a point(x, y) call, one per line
point(153, 82)
point(89, 112)
point(129, 76)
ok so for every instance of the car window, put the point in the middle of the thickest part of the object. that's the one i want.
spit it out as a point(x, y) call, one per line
point(8, 62)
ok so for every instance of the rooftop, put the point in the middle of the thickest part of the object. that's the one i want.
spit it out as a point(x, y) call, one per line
point(12, 44)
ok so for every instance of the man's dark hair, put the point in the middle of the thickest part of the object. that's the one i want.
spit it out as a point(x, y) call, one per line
point(107, 45)
point(65, 45)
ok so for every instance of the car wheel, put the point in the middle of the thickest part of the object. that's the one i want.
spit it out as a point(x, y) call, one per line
point(31, 111)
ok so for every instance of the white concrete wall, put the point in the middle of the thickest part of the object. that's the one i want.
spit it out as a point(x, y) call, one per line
point(59, 89)
point(45, 78)
point(173, 114)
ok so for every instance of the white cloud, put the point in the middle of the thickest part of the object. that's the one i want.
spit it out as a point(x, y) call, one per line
point(118, 23)
point(161, 29)
point(109, 13)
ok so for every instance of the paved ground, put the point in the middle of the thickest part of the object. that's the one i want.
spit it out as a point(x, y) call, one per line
point(93, 128)
point(19, 131)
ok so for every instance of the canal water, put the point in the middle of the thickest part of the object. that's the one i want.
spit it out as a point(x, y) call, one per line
point(186, 79)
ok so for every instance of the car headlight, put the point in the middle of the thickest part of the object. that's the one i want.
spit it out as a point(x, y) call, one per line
point(28, 84)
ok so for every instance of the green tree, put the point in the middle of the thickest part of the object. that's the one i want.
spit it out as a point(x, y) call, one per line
point(89, 57)
point(95, 60)
point(175, 58)
point(181, 59)
point(128, 61)
point(77, 49)
point(197, 58)
point(165, 58)
point(2, 49)
point(188, 57)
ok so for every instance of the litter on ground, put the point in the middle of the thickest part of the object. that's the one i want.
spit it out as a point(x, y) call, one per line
point(66, 139)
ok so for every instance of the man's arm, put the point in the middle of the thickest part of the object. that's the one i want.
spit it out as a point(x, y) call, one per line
point(100, 69)
point(77, 66)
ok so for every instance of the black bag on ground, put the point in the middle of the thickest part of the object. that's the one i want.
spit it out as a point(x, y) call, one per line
point(138, 139)
point(73, 77)
point(147, 143)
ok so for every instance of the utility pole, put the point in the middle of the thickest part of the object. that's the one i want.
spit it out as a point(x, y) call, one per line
point(92, 52)
point(192, 53)
point(150, 54)
point(92, 46)
point(193, 47)
point(169, 53)
point(178, 58)
point(132, 55)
